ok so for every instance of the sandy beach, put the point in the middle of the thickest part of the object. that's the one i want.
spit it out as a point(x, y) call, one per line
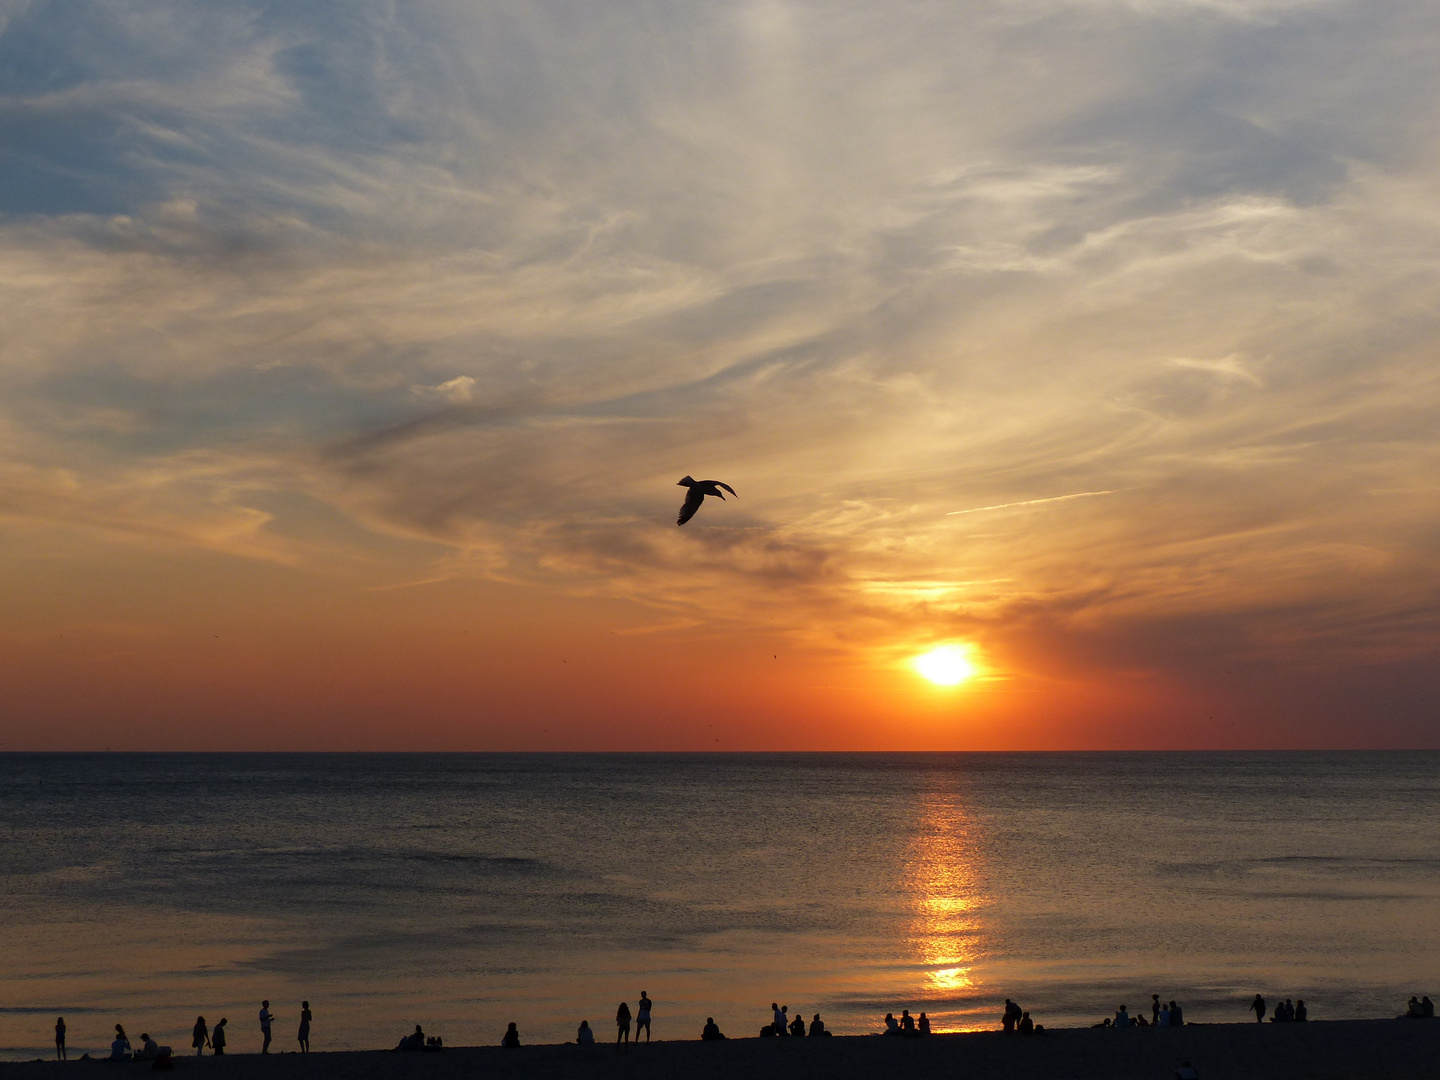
point(1373, 1049)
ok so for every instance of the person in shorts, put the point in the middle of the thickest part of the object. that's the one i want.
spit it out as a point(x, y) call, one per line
point(642, 1020)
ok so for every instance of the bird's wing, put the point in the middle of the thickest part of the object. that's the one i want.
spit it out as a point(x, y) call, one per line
point(693, 498)
point(726, 486)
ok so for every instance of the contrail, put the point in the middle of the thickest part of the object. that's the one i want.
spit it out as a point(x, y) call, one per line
point(1033, 502)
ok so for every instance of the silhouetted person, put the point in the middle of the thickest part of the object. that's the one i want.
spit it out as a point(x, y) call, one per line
point(1122, 1017)
point(1258, 1008)
point(1027, 1026)
point(304, 1035)
point(1177, 1015)
point(907, 1022)
point(696, 495)
point(60, 1038)
point(414, 1041)
point(1008, 1018)
point(511, 1038)
point(217, 1037)
point(1155, 1009)
point(1427, 1008)
point(817, 1027)
point(797, 1026)
point(1186, 1071)
point(265, 1019)
point(711, 1031)
point(779, 1022)
point(622, 1025)
point(120, 1047)
point(1164, 1020)
point(149, 1048)
point(199, 1036)
point(1301, 1013)
point(642, 1017)
point(892, 1026)
point(583, 1035)
point(923, 1024)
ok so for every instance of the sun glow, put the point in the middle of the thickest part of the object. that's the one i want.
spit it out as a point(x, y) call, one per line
point(948, 665)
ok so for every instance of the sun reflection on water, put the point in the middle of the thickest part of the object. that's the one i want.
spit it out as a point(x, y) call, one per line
point(941, 879)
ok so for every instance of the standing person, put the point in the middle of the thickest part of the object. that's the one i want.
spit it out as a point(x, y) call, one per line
point(1258, 1008)
point(622, 1025)
point(60, 1038)
point(304, 1035)
point(779, 1021)
point(642, 1020)
point(199, 1036)
point(217, 1037)
point(265, 1018)
point(1007, 1020)
point(1154, 1010)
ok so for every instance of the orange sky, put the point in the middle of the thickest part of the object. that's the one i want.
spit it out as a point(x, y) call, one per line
point(349, 361)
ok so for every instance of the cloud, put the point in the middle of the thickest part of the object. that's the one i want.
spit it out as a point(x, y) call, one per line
point(867, 265)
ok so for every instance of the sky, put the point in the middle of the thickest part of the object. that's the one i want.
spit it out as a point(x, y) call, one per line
point(350, 353)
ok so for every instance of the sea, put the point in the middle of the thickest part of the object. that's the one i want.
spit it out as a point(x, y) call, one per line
point(465, 891)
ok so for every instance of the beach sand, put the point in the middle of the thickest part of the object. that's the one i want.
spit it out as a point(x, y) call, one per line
point(1378, 1049)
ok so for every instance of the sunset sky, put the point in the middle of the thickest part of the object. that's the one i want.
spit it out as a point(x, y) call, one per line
point(350, 353)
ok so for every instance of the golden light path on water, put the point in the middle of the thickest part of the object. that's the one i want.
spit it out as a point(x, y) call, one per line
point(941, 877)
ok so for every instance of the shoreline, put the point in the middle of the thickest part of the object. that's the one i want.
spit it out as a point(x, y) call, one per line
point(1315, 1050)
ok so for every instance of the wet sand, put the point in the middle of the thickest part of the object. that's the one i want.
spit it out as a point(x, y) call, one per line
point(1343, 1049)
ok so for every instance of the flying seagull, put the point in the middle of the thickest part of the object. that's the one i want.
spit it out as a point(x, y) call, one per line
point(696, 495)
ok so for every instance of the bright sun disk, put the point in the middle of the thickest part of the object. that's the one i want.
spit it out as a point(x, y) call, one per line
point(947, 665)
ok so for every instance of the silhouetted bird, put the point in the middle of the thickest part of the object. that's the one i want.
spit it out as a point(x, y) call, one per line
point(696, 495)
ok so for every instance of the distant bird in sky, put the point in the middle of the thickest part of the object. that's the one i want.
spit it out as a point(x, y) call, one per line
point(696, 495)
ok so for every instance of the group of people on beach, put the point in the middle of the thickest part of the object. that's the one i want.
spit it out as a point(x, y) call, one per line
point(202, 1038)
point(1162, 1014)
point(1285, 1012)
point(781, 1023)
point(1017, 1020)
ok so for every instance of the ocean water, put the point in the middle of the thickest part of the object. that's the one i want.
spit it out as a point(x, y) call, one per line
point(465, 891)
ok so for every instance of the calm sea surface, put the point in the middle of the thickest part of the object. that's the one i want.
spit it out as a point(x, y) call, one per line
point(464, 891)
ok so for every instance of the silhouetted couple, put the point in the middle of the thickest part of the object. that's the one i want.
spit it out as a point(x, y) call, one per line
point(1167, 1015)
point(1424, 1009)
point(1011, 1016)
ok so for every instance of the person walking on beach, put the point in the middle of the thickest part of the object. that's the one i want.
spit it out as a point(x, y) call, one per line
point(642, 1020)
point(622, 1025)
point(60, 1038)
point(199, 1036)
point(1258, 1008)
point(304, 1035)
point(217, 1037)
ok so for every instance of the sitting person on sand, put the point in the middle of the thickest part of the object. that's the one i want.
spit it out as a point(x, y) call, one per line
point(817, 1027)
point(1122, 1017)
point(1177, 1015)
point(892, 1026)
point(1010, 1016)
point(1186, 1071)
point(1027, 1026)
point(583, 1035)
point(797, 1026)
point(1427, 1008)
point(923, 1024)
point(149, 1049)
point(414, 1041)
point(907, 1023)
point(711, 1032)
point(120, 1048)
point(1164, 1018)
point(511, 1038)
point(1301, 1013)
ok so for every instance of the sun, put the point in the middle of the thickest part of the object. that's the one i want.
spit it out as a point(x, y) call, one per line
point(948, 665)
